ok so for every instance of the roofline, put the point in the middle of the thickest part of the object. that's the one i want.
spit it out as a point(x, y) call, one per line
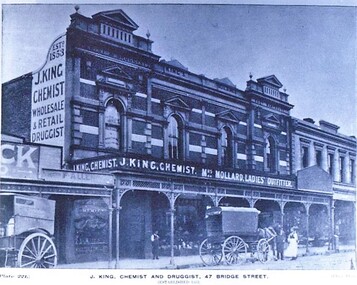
point(308, 125)
point(135, 25)
point(26, 75)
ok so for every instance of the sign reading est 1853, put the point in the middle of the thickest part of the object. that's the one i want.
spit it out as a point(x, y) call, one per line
point(48, 97)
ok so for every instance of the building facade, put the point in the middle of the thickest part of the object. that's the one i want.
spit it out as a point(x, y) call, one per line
point(82, 202)
point(178, 142)
point(323, 147)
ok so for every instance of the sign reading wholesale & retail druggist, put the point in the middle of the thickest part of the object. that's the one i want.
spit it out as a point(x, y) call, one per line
point(48, 97)
point(179, 169)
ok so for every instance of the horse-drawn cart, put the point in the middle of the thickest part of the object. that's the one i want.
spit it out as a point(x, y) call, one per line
point(232, 233)
point(26, 227)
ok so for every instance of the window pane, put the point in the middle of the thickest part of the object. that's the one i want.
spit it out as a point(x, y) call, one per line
point(304, 156)
point(174, 138)
point(226, 146)
point(270, 155)
point(112, 126)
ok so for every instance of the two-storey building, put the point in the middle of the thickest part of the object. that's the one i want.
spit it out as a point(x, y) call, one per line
point(176, 142)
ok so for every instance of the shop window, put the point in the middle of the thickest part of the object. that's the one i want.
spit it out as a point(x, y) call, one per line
point(270, 154)
point(175, 138)
point(305, 156)
point(226, 146)
point(113, 132)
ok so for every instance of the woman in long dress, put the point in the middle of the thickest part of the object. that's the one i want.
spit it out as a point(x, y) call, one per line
point(293, 241)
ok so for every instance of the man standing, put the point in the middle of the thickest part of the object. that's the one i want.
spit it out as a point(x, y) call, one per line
point(280, 244)
point(155, 245)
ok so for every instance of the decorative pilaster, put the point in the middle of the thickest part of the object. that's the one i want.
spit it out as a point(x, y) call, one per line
point(297, 153)
point(312, 154)
point(336, 166)
point(250, 144)
point(127, 131)
point(346, 169)
point(149, 95)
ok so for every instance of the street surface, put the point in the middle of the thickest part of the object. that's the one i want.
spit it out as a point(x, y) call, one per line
point(335, 261)
point(321, 261)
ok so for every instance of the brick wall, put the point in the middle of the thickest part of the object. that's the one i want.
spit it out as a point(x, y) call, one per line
point(16, 107)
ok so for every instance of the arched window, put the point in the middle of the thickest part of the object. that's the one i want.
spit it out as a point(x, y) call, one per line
point(226, 146)
point(174, 138)
point(270, 154)
point(112, 118)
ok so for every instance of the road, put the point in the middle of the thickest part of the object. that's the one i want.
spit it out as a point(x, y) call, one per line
point(336, 261)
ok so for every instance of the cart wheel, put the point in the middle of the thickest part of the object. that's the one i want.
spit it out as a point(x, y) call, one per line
point(210, 253)
point(234, 250)
point(37, 251)
point(263, 249)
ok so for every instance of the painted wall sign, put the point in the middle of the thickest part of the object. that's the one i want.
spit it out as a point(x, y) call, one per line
point(48, 97)
point(155, 166)
point(19, 161)
point(91, 227)
point(77, 177)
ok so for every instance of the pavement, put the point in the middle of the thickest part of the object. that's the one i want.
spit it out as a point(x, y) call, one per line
point(183, 262)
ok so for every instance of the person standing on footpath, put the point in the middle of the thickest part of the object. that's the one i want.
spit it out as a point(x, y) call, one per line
point(280, 244)
point(155, 245)
point(293, 241)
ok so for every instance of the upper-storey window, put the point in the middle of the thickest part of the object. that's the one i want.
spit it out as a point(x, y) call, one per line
point(330, 162)
point(342, 169)
point(352, 171)
point(318, 154)
point(226, 146)
point(175, 138)
point(270, 154)
point(305, 156)
point(113, 130)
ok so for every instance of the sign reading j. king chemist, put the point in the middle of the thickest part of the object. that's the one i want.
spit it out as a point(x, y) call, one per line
point(48, 97)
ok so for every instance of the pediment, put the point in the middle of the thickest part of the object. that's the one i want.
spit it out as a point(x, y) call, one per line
point(272, 119)
point(117, 16)
point(272, 80)
point(177, 102)
point(227, 116)
point(117, 72)
point(271, 122)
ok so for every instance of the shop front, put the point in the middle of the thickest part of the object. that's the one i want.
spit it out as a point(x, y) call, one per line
point(83, 201)
point(172, 198)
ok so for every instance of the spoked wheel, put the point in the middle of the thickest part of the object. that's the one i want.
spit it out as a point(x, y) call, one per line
point(263, 249)
point(234, 250)
point(210, 253)
point(37, 251)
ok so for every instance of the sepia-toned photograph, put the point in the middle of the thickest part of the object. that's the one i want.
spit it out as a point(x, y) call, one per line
point(205, 142)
